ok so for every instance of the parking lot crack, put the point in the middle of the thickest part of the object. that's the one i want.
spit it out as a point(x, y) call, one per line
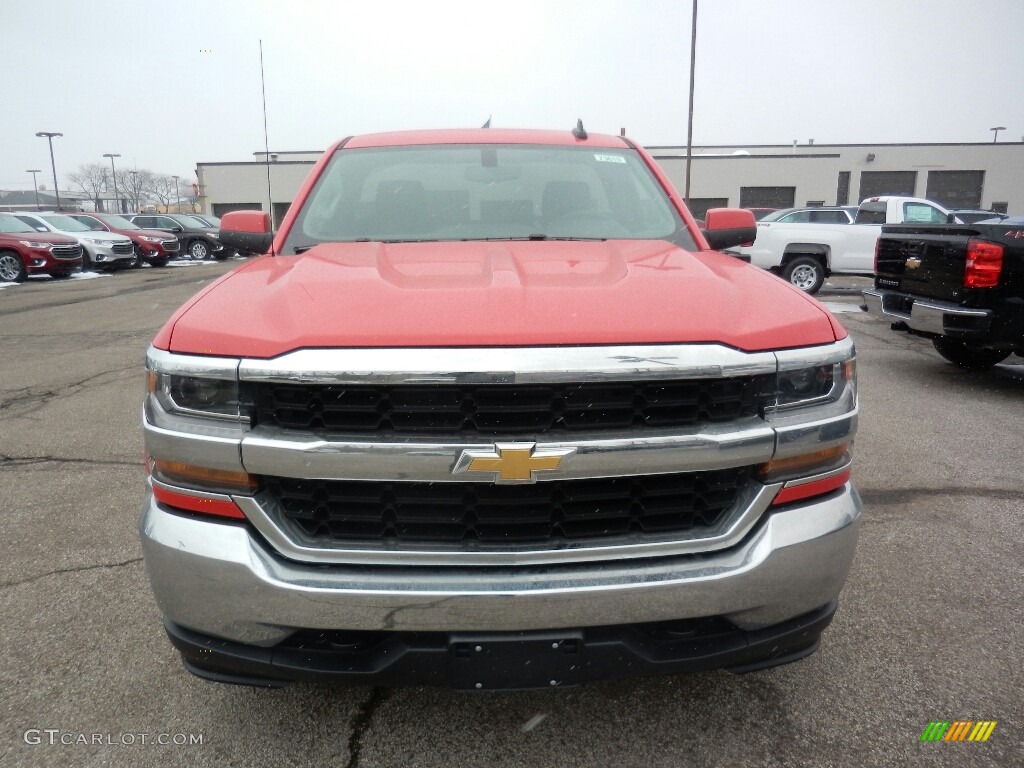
point(16, 462)
point(361, 723)
point(61, 571)
point(37, 397)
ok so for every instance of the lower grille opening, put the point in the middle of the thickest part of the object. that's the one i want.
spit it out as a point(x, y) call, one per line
point(553, 513)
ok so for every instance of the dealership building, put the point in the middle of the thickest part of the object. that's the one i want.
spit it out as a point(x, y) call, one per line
point(987, 176)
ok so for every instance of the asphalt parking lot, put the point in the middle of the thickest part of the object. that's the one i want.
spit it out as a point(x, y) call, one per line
point(930, 626)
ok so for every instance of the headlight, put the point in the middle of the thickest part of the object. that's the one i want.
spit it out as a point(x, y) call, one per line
point(827, 386)
point(196, 395)
point(149, 239)
point(30, 244)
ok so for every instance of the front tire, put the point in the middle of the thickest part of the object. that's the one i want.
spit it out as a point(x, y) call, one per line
point(12, 268)
point(805, 272)
point(198, 250)
point(966, 356)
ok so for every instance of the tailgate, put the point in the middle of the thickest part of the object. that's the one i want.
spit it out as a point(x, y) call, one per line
point(924, 260)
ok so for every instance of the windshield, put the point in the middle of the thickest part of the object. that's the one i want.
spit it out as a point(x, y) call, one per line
point(119, 223)
point(65, 223)
point(211, 221)
point(474, 192)
point(13, 225)
point(188, 221)
point(90, 223)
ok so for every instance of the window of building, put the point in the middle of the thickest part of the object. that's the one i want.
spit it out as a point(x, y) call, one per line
point(1000, 207)
point(843, 188)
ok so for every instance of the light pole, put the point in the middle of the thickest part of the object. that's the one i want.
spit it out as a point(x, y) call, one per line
point(689, 119)
point(176, 194)
point(49, 137)
point(113, 173)
point(995, 132)
point(35, 187)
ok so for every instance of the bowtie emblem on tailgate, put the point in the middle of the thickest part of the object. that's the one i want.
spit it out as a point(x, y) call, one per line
point(913, 262)
point(512, 462)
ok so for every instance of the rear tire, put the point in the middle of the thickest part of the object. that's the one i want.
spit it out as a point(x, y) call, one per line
point(966, 356)
point(805, 272)
point(12, 268)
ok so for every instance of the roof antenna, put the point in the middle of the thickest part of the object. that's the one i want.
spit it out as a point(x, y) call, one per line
point(579, 131)
point(488, 123)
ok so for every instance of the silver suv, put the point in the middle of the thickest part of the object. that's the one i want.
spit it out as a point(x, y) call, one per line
point(102, 250)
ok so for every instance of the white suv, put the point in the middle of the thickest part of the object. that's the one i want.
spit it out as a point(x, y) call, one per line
point(102, 250)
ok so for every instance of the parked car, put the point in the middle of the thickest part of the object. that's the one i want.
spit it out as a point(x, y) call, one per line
point(207, 219)
point(970, 216)
point(836, 214)
point(25, 251)
point(152, 246)
point(197, 240)
point(760, 213)
point(461, 432)
point(804, 254)
point(960, 285)
point(102, 250)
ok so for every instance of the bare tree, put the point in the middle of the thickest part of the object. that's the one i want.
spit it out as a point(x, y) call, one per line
point(161, 186)
point(92, 180)
point(134, 186)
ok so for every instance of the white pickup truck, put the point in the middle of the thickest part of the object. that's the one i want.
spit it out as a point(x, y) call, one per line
point(805, 254)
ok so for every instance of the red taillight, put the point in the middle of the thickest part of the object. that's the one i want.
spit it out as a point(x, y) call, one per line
point(984, 264)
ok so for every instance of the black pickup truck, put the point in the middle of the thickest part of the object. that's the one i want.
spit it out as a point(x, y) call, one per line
point(960, 285)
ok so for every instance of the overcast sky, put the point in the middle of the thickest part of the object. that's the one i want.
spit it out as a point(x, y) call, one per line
point(171, 84)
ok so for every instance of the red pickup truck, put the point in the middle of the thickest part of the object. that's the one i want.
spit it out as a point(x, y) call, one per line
point(490, 413)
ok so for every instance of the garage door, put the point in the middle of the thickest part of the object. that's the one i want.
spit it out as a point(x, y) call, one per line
point(875, 183)
point(767, 197)
point(956, 189)
point(699, 205)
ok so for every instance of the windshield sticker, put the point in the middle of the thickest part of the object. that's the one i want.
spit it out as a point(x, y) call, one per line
point(610, 158)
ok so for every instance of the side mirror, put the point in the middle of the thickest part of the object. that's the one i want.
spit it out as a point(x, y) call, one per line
point(729, 227)
point(176, 229)
point(247, 231)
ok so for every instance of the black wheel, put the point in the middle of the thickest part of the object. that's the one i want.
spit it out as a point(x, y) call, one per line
point(805, 272)
point(12, 268)
point(88, 265)
point(967, 356)
point(198, 250)
point(136, 262)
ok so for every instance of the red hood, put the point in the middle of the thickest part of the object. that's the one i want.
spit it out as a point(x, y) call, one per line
point(494, 294)
point(39, 237)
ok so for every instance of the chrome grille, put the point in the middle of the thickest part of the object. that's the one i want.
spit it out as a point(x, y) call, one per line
point(494, 409)
point(66, 251)
point(556, 513)
point(124, 248)
point(170, 245)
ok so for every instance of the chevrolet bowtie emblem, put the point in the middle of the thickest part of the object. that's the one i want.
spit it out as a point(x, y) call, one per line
point(913, 262)
point(512, 462)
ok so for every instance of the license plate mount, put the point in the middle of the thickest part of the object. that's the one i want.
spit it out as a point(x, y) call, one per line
point(490, 662)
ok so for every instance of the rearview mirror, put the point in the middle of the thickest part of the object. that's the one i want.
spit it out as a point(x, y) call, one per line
point(729, 227)
point(246, 231)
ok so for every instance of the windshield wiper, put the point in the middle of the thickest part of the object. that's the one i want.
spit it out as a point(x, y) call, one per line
point(304, 248)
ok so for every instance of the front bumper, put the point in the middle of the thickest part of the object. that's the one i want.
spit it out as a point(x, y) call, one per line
point(220, 580)
point(103, 255)
point(928, 316)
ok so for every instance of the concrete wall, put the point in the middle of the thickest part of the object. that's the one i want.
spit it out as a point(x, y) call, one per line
point(814, 170)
